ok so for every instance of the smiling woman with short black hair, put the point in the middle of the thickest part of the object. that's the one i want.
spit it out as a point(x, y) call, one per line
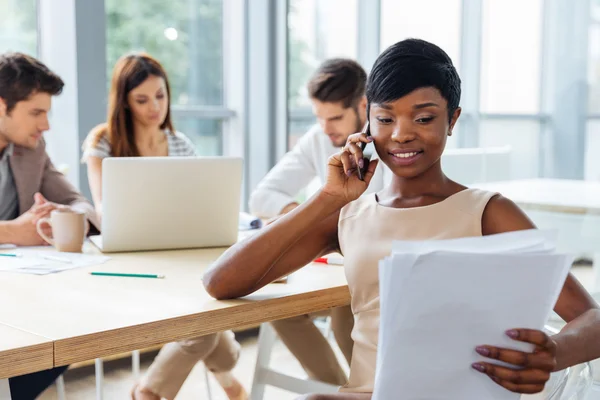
point(413, 94)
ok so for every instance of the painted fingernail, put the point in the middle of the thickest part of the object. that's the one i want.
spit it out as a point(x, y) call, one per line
point(361, 163)
point(349, 173)
point(478, 367)
point(370, 138)
point(482, 350)
point(512, 333)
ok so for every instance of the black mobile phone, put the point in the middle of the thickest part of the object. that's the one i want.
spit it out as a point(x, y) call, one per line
point(367, 150)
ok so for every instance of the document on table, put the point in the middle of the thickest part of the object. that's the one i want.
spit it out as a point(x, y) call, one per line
point(441, 299)
point(30, 261)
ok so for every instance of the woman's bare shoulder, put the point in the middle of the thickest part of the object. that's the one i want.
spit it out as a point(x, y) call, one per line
point(503, 215)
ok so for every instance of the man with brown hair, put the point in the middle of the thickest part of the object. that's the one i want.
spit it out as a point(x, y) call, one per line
point(30, 186)
point(337, 93)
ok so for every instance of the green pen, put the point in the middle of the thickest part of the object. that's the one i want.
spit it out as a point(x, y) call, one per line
point(127, 275)
point(9, 255)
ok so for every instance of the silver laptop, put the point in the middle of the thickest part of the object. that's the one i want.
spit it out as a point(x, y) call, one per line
point(156, 203)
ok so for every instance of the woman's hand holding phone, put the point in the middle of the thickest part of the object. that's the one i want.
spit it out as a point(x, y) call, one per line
point(343, 178)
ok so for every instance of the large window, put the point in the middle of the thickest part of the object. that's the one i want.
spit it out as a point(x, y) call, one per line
point(511, 55)
point(592, 143)
point(592, 162)
point(18, 26)
point(186, 36)
point(437, 21)
point(524, 138)
point(318, 30)
point(594, 60)
point(202, 134)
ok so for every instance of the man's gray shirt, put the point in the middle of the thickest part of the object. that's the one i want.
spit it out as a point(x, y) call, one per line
point(9, 199)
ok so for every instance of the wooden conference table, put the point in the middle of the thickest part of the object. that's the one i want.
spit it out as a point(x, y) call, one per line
point(22, 352)
point(72, 316)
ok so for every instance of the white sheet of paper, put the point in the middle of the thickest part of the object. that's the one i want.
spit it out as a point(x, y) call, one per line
point(437, 307)
point(526, 241)
point(405, 253)
point(33, 261)
point(400, 274)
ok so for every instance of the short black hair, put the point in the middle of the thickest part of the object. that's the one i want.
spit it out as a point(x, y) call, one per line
point(409, 65)
point(22, 75)
point(338, 80)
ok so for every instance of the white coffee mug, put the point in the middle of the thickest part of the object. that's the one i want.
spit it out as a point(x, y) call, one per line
point(68, 230)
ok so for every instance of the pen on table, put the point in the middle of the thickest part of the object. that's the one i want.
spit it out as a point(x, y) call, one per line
point(10, 255)
point(128, 275)
point(330, 260)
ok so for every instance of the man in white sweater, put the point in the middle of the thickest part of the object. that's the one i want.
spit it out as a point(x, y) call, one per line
point(337, 92)
point(339, 104)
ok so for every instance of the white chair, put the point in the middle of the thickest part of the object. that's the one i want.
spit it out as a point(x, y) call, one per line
point(135, 369)
point(573, 383)
point(99, 372)
point(60, 388)
point(264, 376)
point(4, 389)
point(324, 324)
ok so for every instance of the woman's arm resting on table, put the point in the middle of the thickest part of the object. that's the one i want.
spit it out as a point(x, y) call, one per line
point(279, 249)
point(296, 238)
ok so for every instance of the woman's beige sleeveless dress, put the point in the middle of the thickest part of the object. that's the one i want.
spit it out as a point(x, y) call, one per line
point(366, 232)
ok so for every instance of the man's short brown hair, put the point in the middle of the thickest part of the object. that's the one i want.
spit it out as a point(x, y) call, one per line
point(22, 75)
point(338, 80)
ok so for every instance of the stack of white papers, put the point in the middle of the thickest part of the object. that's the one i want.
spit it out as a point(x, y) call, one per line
point(43, 263)
point(441, 299)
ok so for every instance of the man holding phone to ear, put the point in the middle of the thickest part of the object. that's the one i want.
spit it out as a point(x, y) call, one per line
point(337, 93)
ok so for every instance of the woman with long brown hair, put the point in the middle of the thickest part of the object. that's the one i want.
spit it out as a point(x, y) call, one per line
point(139, 124)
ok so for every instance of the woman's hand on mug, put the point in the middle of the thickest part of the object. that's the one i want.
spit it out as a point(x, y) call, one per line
point(534, 369)
point(342, 170)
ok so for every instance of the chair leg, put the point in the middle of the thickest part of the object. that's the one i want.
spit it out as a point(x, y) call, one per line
point(328, 330)
point(5, 389)
point(207, 381)
point(324, 325)
point(99, 379)
point(135, 364)
point(266, 340)
point(60, 388)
